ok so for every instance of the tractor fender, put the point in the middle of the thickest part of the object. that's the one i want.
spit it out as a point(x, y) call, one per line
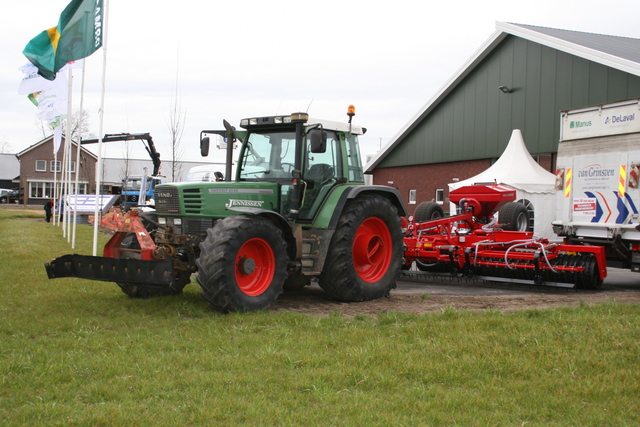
point(281, 222)
point(352, 192)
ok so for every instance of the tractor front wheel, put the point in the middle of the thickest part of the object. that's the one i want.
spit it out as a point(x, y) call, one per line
point(242, 264)
point(365, 252)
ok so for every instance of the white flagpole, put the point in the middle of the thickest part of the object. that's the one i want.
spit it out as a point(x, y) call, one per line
point(78, 149)
point(54, 196)
point(96, 220)
point(67, 155)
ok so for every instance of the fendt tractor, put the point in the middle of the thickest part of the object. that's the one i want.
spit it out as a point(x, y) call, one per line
point(298, 209)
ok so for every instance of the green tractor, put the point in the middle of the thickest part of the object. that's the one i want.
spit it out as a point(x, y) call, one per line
point(297, 209)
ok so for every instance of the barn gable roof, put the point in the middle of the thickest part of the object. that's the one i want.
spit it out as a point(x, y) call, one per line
point(621, 53)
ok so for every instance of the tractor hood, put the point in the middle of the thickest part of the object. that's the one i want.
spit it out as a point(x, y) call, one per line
point(215, 199)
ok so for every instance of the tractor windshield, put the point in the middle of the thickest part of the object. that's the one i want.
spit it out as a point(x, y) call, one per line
point(268, 155)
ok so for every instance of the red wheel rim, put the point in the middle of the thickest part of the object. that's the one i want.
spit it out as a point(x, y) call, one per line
point(372, 249)
point(254, 267)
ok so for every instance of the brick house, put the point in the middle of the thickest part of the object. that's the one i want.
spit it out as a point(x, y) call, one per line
point(39, 170)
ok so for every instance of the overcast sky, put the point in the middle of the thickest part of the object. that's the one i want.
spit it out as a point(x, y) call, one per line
point(238, 59)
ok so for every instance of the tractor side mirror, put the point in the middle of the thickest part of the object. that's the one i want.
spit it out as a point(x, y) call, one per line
point(318, 139)
point(204, 146)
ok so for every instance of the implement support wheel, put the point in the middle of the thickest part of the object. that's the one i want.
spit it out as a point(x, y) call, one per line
point(136, 290)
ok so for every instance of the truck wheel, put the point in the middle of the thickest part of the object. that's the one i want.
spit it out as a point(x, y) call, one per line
point(242, 264)
point(513, 216)
point(426, 211)
point(135, 290)
point(365, 252)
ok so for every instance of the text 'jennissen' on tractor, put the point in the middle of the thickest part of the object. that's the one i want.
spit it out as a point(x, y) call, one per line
point(297, 209)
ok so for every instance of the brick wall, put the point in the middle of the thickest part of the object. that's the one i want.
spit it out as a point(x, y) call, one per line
point(426, 179)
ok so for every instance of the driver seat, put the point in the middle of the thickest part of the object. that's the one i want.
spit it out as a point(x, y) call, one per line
point(319, 173)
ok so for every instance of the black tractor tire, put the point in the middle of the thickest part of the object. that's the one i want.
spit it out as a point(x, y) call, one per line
point(427, 211)
point(137, 290)
point(295, 282)
point(365, 253)
point(514, 216)
point(242, 264)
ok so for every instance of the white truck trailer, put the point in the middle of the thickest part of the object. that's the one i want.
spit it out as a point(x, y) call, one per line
point(597, 180)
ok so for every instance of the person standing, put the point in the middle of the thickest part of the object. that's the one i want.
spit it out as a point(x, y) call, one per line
point(48, 208)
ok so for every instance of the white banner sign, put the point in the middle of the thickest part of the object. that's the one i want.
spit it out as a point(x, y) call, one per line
point(601, 121)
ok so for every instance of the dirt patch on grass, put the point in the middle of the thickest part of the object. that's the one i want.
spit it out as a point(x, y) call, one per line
point(315, 302)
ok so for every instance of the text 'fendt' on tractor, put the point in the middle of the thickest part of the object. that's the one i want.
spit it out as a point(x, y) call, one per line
point(297, 209)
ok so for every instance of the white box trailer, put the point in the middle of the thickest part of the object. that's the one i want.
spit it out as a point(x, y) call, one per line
point(597, 180)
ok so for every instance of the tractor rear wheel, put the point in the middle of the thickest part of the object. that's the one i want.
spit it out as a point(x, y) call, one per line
point(514, 216)
point(242, 264)
point(426, 211)
point(136, 290)
point(365, 253)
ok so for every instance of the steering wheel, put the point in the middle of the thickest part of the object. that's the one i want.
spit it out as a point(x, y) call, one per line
point(287, 167)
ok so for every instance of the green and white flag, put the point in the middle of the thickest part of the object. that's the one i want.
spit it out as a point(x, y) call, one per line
point(77, 35)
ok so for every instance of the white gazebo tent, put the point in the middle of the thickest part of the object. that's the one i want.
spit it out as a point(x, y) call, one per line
point(534, 185)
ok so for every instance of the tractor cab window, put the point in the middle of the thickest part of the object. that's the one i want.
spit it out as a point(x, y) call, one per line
point(353, 158)
point(268, 155)
point(321, 172)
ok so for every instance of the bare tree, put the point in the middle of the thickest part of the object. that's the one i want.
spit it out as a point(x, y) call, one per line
point(5, 145)
point(175, 123)
point(84, 133)
point(79, 125)
point(126, 164)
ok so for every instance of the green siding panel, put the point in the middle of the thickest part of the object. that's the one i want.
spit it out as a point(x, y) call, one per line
point(475, 120)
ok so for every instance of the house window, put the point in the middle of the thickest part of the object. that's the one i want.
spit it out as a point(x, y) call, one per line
point(40, 190)
point(440, 196)
point(412, 197)
point(57, 166)
point(41, 165)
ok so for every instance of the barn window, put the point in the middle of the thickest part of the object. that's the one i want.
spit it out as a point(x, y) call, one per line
point(412, 197)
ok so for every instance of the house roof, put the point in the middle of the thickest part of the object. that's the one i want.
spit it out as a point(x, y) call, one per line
point(9, 166)
point(47, 140)
point(621, 53)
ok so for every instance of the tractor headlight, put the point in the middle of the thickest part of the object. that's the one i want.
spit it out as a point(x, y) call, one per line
point(177, 221)
point(162, 220)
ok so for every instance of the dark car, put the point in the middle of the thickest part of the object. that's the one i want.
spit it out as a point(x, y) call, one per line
point(12, 197)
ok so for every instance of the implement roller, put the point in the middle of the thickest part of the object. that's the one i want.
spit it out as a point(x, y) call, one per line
point(476, 244)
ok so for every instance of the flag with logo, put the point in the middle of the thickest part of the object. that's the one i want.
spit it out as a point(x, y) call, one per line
point(77, 35)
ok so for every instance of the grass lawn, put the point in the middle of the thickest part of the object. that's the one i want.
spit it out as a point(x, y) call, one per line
point(76, 352)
